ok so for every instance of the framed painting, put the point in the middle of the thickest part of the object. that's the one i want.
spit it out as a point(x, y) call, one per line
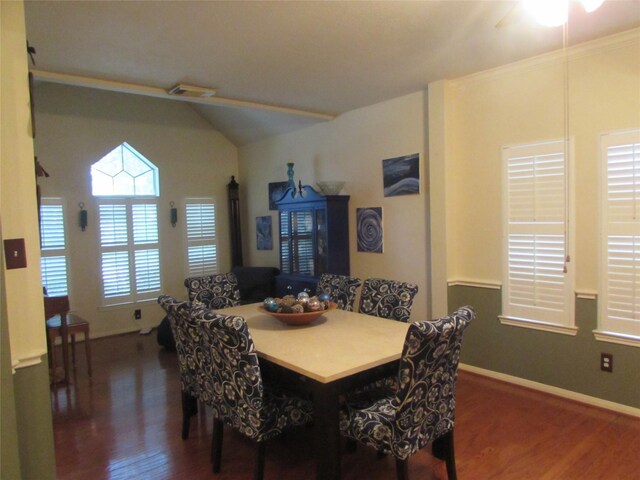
point(401, 175)
point(276, 191)
point(369, 229)
point(264, 238)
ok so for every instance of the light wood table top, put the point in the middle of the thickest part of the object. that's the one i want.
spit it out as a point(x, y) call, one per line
point(334, 346)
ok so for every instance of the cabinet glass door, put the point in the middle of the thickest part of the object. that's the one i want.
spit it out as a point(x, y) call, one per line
point(296, 242)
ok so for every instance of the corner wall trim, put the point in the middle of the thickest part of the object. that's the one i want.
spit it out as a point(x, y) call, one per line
point(474, 283)
point(27, 361)
point(559, 392)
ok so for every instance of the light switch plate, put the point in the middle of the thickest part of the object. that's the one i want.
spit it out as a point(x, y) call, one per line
point(15, 253)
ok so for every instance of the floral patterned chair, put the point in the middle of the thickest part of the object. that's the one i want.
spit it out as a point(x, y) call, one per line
point(231, 383)
point(186, 333)
point(343, 289)
point(214, 291)
point(387, 298)
point(421, 409)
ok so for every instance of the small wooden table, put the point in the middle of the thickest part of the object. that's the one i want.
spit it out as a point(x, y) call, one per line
point(331, 352)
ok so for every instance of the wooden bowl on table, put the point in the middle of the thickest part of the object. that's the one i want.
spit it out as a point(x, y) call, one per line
point(298, 318)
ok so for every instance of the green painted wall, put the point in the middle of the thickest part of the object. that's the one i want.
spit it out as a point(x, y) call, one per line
point(33, 412)
point(9, 456)
point(570, 363)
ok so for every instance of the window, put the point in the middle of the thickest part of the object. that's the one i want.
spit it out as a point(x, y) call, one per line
point(128, 221)
point(201, 237)
point(53, 260)
point(619, 302)
point(296, 242)
point(538, 285)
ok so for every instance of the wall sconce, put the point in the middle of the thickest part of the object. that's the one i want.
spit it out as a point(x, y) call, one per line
point(83, 216)
point(174, 214)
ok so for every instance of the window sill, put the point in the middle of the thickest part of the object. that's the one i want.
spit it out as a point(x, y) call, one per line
point(532, 324)
point(618, 338)
point(125, 305)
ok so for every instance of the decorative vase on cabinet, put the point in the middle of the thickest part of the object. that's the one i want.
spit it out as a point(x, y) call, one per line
point(314, 238)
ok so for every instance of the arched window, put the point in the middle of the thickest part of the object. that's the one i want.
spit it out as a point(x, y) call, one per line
point(126, 184)
point(124, 172)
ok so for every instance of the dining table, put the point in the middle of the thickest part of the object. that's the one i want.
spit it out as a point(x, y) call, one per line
point(335, 353)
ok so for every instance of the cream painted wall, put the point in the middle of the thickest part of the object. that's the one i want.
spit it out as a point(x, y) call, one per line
point(523, 103)
point(18, 197)
point(350, 148)
point(76, 127)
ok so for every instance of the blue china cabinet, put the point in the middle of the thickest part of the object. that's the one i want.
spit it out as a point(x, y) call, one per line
point(314, 238)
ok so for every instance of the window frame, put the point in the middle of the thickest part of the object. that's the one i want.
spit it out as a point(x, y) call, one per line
point(133, 296)
point(564, 321)
point(202, 241)
point(607, 329)
point(55, 252)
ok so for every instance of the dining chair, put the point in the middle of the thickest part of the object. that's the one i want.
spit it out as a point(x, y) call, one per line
point(341, 288)
point(186, 334)
point(231, 384)
point(214, 291)
point(61, 323)
point(421, 409)
point(387, 298)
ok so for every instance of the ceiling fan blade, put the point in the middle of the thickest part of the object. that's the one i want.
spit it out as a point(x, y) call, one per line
point(513, 16)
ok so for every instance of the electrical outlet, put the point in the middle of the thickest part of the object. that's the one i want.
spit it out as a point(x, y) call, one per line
point(137, 314)
point(606, 362)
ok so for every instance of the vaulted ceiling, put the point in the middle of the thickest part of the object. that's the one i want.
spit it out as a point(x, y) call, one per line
point(317, 59)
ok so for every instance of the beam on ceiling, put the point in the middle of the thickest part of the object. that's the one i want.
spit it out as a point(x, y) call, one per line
point(123, 87)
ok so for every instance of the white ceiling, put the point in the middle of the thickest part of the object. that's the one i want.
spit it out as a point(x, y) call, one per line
point(323, 56)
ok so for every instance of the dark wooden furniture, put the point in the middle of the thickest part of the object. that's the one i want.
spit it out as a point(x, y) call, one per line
point(61, 323)
point(355, 344)
point(314, 238)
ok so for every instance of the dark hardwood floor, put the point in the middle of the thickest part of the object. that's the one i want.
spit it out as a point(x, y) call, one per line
point(125, 424)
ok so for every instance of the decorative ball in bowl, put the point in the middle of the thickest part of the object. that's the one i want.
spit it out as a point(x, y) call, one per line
point(330, 188)
point(296, 311)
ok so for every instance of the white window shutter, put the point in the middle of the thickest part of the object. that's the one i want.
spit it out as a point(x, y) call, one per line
point(536, 287)
point(620, 279)
point(53, 261)
point(202, 257)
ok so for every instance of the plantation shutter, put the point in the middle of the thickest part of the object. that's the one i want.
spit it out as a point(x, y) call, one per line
point(130, 258)
point(620, 287)
point(202, 258)
point(53, 260)
point(536, 286)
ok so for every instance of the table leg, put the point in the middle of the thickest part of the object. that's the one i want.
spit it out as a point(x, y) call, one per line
point(327, 430)
point(65, 348)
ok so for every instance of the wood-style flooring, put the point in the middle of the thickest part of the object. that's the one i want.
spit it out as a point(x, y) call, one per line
point(125, 424)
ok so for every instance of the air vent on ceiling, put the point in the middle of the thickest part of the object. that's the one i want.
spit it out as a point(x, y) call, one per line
point(191, 91)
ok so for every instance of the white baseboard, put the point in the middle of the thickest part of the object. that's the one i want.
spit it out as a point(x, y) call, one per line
point(560, 392)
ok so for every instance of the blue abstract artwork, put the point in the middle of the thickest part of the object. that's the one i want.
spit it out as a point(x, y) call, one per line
point(264, 239)
point(369, 227)
point(401, 175)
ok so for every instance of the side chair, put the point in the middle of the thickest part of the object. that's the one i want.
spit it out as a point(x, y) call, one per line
point(186, 334)
point(232, 386)
point(342, 289)
point(387, 298)
point(61, 323)
point(214, 291)
point(421, 408)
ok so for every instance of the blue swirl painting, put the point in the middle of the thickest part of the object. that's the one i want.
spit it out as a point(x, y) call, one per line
point(401, 175)
point(369, 226)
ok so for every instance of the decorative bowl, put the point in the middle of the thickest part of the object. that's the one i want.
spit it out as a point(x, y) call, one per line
point(298, 318)
point(330, 188)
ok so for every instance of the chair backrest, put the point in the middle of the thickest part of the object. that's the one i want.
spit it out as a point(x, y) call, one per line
point(425, 400)
point(214, 291)
point(232, 381)
point(341, 288)
point(56, 306)
point(186, 334)
point(387, 298)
